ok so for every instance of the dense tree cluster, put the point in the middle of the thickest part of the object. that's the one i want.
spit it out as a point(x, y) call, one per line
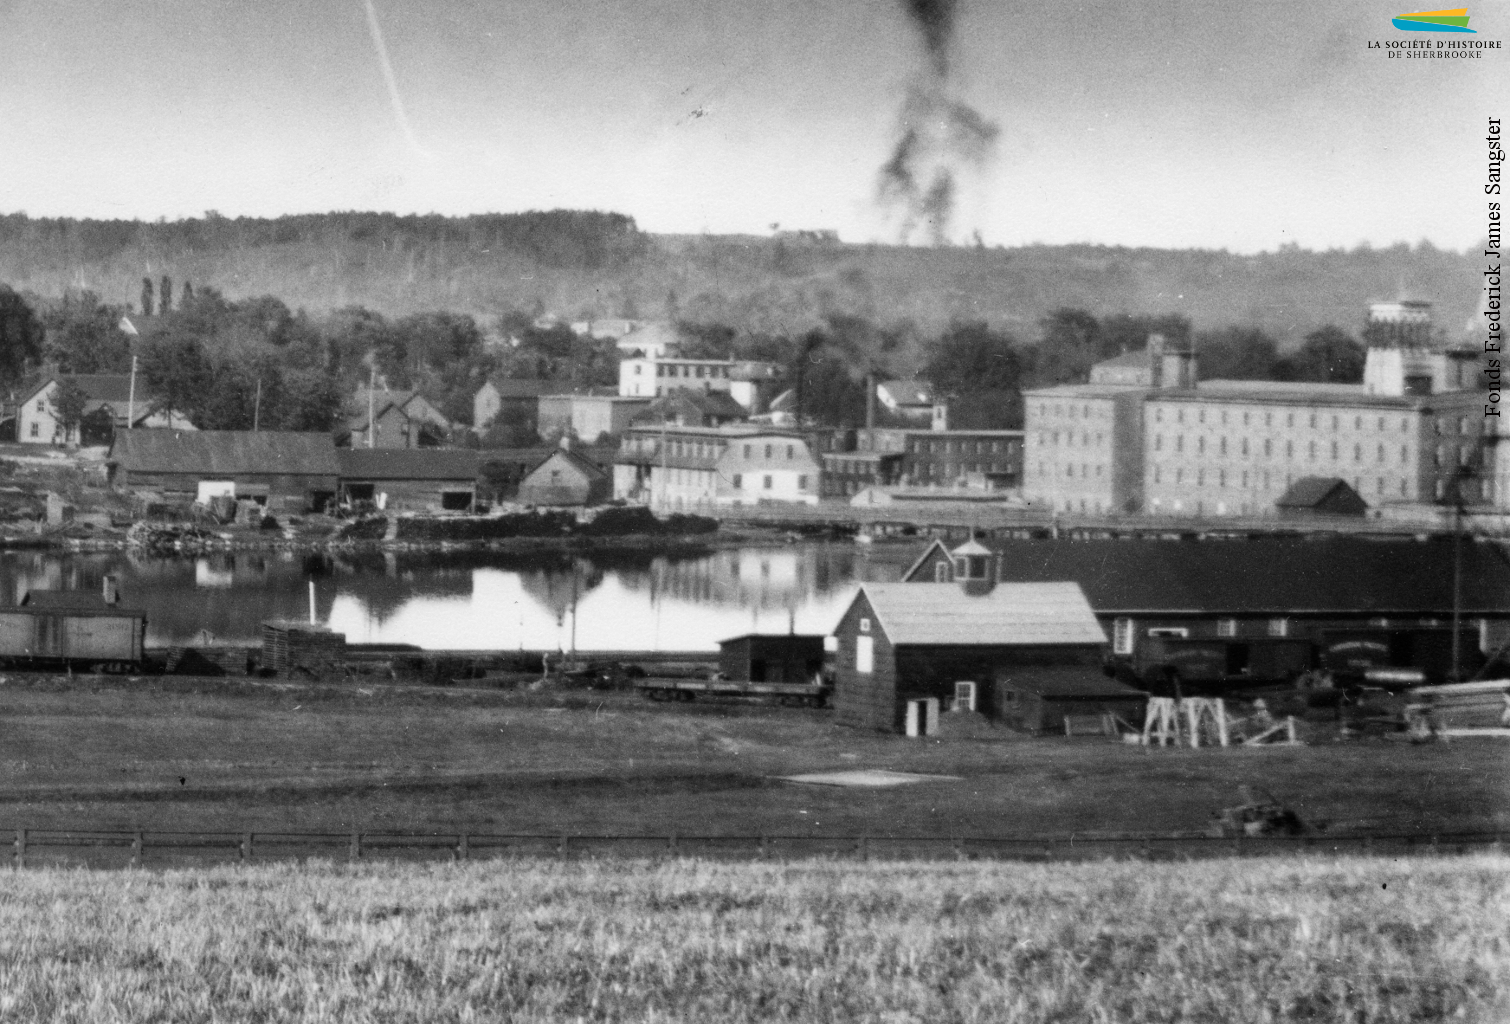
point(230, 364)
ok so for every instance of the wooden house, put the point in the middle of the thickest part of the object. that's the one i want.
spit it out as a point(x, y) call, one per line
point(399, 419)
point(902, 645)
point(771, 658)
point(565, 478)
point(110, 404)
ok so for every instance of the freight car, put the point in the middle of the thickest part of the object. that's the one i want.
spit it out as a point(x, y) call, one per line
point(55, 629)
point(1376, 656)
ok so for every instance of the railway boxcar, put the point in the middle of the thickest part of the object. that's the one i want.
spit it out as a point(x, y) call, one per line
point(71, 629)
point(1356, 654)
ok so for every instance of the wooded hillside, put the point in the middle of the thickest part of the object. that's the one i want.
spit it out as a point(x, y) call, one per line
point(585, 263)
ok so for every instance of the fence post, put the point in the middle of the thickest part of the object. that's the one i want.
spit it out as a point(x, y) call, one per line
point(355, 853)
point(765, 847)
point(463, 847)
point(246, 846)
point(862, 848)
point(671, 844)
point(20, 847)
point(136, 849)
point(561, 847)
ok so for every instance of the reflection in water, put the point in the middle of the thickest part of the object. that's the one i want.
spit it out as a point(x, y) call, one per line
point(479, 600)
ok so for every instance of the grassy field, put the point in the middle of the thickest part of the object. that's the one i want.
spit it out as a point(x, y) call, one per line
point(158, 756)
point(1219, 941)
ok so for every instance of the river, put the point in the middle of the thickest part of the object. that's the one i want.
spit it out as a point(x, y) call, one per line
point(618, 600)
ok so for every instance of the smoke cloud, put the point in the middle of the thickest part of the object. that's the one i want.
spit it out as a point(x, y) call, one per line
point(938, 134)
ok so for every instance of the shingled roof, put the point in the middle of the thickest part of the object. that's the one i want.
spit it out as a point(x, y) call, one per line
point(225, 452)
point(1012, 613)
point(1274, 576)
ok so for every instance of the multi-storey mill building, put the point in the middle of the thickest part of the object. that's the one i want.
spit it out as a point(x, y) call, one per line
point(1145, 436)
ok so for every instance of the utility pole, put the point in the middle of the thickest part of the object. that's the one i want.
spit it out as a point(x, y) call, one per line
point(257, 408)
point(371, 402)
point(131, 397)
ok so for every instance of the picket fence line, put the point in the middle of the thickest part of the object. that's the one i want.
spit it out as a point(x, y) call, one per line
point(461, 846)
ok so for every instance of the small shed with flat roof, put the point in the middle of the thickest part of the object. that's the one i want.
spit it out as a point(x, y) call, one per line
point(771, 657)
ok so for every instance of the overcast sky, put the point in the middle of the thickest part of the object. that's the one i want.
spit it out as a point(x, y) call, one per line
point(1166, 123)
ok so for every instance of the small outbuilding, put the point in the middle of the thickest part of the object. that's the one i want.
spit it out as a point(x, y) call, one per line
point(771, 658)
point(565, 478)
point(1321, 495)
point(1054, 700)
point(906, 649)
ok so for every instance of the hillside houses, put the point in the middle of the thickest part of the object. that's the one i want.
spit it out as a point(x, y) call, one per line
point(395, 419)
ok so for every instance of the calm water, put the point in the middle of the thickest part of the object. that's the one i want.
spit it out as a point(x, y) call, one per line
point(622, 600)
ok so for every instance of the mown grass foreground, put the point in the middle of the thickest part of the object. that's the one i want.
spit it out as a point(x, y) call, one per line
point(1230, 941)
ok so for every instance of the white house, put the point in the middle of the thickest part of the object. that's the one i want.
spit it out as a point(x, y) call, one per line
point(109, 406)
point(651, 377)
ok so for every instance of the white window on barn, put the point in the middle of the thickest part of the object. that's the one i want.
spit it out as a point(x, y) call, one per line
point(942, 572)
point(964, 695)
point(865, 625)
point(1122, 636)
point(865, 654)
point(1226, 627)
point(1279, 627)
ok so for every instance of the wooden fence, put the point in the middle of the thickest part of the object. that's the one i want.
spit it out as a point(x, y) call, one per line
point(117, 848)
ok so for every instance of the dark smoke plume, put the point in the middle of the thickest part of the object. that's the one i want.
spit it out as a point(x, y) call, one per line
point(938, 135)
point(935, 19)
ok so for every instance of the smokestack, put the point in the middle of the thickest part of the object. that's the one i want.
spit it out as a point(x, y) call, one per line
point(870, 401)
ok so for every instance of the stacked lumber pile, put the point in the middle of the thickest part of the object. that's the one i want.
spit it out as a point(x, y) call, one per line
point(289, 647)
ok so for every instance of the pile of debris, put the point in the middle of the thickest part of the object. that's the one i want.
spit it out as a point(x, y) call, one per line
point(172, 538)
point(1260, 814)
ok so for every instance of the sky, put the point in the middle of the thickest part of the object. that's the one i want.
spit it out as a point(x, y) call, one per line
point(1168, 123)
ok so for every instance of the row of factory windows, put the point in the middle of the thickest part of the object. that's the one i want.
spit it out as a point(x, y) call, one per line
point(1314, 420)
point(919, 446)
point(1052, 437)
point(1269, 447)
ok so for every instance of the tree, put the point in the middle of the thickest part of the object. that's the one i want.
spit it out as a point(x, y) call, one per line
point(980, 373)
point(21, 335)
point(165, 295)
point(68, 404)
point(969, 356)
point(1328, 355)
point(146, 296)
point(84, 336)
point(1070, 343)
point(1237, 353)
point(175, 369)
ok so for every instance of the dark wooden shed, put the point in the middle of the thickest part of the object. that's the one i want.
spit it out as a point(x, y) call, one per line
point(1321, 495)
point(771, 658)
point(1040, 699)
point(287, 471)
point(565, 478)
point(899, 643)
